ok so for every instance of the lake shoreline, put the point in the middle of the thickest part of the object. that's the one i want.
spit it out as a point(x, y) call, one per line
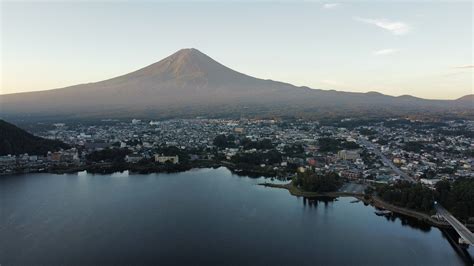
point(109, 168)
point(371, 200)
point(104, 169)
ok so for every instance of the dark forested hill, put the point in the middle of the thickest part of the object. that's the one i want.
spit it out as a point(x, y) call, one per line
point(14, 140)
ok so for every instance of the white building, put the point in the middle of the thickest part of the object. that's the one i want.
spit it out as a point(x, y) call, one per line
point(133, 158)
point(163, 159)
point(348, 154)
point(429, 182)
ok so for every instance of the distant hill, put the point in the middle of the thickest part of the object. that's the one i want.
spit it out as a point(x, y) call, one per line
point(14, 140)
point(189, 83)
point(467, 98)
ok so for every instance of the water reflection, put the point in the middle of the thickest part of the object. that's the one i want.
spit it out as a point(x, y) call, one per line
point(205, 217)
point(414, 223)
point(314, 201)
point(405, 221)
point(461, 250)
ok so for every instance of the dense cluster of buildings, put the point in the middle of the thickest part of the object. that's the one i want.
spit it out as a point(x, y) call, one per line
point(38, 163)
point(427, 153)
point(423, 152)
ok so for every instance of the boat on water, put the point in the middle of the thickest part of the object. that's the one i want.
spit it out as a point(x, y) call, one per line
point(355, 201)
point(383, 212)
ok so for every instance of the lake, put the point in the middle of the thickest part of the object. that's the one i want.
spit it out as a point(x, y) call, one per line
point(200, 217)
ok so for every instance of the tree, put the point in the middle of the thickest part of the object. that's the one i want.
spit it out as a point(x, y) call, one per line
point(318, 182)
point(108, 155)
point(223, 141)
point(408, 195)
point(264, 144)
point(257, 158)
point(457, 197)
point(293, 149)
point(333, 145)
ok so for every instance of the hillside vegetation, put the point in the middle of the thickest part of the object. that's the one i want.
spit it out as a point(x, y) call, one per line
point(14, 141)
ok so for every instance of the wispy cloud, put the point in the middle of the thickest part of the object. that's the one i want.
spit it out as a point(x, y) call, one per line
point(465, 66)
point(395, 27)
point(331, 5)
point(385, 51)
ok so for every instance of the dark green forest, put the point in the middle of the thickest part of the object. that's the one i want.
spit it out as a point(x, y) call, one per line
point(408, 195)
point(313, 182)
point(14, 140)
point(108, 155)
point(333, 145)
point(457, 196)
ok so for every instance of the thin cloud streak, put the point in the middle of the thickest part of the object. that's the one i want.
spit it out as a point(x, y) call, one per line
point(385, 52)
point(395, 27)
point(465, 66)
point(331, 5)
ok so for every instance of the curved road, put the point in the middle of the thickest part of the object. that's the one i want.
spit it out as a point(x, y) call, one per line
point(386, 161)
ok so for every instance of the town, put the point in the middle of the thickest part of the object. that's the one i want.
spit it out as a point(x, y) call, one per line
point(383, 150)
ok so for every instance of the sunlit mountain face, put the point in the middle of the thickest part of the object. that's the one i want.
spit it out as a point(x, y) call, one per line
point(190, 83)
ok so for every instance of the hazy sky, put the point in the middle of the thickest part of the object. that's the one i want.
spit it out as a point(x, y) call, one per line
point(422, 48)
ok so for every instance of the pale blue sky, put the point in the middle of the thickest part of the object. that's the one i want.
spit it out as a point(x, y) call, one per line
point(422, 48)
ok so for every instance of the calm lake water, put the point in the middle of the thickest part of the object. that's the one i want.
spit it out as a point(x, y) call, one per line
point(206, 216)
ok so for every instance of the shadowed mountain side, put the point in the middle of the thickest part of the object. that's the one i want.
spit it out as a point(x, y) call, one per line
point(467, 98)
point(190, 83)
point(14, 141)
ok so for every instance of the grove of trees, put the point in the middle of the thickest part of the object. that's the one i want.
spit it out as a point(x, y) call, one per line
point(457, 197)
point(108, 155)
point(332, 145)
point(408, 195)
point(257, 158)
point(223, 141)
point(313, 182)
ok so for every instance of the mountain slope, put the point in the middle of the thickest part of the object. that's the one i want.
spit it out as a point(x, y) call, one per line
point(467, 98)
point(190, 83)
point(14, 140)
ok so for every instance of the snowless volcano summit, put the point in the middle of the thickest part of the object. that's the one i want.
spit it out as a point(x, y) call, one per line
point(190, 83)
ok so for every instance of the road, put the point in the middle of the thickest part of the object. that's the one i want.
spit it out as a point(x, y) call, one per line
point(466, 235)
point(386, 161)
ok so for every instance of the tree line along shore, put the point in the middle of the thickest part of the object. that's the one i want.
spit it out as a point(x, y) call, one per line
point(404, 198)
